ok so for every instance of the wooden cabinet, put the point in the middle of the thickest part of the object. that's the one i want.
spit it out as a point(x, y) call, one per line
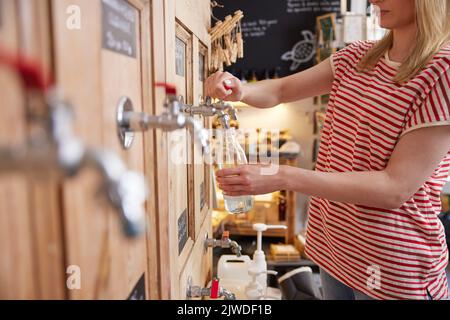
point(32, 263)
point(49, 227)
point(185, 211)
point(94, 78)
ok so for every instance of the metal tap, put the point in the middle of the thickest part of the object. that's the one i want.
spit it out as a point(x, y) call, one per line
point(59, 152)
point(225, 242)
point(223, 106)
point(203, 109)
point(171, 119)
point(215, 292)
point(224, 111)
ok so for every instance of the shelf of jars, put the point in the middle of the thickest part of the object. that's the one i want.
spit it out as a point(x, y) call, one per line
point(265, 210)
point(258, 146)
point(276, 208)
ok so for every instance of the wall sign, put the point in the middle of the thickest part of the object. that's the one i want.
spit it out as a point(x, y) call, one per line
point(138, 293)
point(180, 57)
point(119, 27)
point(278, 34)
point(1, 13)
point(202, 195)
point(182, 231)
point(201, 67)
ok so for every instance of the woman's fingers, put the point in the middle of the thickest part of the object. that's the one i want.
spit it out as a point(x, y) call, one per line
point(233, 188)
point(229, 172)
point(224, 85)
point(220, 85)
point(233, 180)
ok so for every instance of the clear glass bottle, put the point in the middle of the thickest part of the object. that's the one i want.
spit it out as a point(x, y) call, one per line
point(233, 155)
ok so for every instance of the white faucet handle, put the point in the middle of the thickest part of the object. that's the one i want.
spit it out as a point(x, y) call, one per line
point(280, 226)
point(263, 227)
point(272, 272)
point(255, 272)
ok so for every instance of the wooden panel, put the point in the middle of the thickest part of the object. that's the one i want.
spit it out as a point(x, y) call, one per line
point(200, 263)
point(17, 264)
point(166, 242)
point(148, 37)
point(110, 264)
point(45, 201)
point(195, 15)
point(200, 169)
point(180, 187)
point(32, 267)
point(175, 186)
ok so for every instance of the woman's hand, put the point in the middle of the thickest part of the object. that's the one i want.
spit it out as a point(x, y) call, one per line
point(224, 86)
point(251, 180)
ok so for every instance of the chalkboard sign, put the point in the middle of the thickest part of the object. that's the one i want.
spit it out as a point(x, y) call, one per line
point(119, 27)
point(138, 292)
point(182, 231)
point(1, 13)
point(278, 34)
point(180, 57)
point(202, 196)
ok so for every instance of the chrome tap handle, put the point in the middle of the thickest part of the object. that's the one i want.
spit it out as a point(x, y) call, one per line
point(200, 134)
point(225, 242)
point(126, 190)
point(233, 114)
point(226, 294)
point(214, 292)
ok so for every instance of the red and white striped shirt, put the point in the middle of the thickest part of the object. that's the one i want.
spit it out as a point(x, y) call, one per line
point(386, 254)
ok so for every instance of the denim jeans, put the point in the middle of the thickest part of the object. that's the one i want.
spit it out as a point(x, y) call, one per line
point(333, 289)
point(336, 290)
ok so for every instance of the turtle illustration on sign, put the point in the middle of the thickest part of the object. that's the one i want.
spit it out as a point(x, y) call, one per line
point(303, 51)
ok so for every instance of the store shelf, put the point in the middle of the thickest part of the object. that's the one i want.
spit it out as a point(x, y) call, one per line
point(446, 189)
point(246, 229)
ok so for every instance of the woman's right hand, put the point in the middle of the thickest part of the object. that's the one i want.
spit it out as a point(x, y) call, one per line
point(224, 86)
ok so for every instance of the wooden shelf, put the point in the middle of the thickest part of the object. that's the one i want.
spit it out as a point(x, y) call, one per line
point(246, 229)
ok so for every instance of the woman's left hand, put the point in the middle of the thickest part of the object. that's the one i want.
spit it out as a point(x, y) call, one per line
point(251, 180)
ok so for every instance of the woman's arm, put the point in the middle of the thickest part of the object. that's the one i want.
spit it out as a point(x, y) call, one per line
point(414, 159)
point(269, 93)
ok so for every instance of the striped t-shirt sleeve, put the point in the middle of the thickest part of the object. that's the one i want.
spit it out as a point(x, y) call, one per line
point(348, 57)
point(435, 108)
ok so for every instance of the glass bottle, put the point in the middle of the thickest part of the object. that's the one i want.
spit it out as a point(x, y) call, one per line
point(233, 155)
point(252, 76)
point(243, 76)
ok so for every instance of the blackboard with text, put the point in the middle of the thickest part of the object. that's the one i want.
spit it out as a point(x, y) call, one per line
point(278, 34)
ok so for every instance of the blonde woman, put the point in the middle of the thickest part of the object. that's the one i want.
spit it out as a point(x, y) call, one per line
point(384, 157)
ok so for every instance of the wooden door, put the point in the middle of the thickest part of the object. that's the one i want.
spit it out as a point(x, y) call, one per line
point(184, 208)
point(96, 64)
point(32, 264)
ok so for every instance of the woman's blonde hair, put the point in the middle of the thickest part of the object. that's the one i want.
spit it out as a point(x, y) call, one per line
point(433, 32)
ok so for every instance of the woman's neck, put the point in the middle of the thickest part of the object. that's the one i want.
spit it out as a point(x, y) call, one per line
point(404, 39)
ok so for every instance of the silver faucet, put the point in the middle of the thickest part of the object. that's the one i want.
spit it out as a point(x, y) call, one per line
point(225, 242)
point(171, 119)
point(223, 106)
point(204, 109)
point(58, 151)
point(224, 111)
point(214, 292)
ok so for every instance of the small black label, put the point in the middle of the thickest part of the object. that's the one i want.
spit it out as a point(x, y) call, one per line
point(1, 13)
point(182, 231)
point(180, 57)
point(138, 293)
point(119, 27)
point(201, 67)
point(202, 195)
